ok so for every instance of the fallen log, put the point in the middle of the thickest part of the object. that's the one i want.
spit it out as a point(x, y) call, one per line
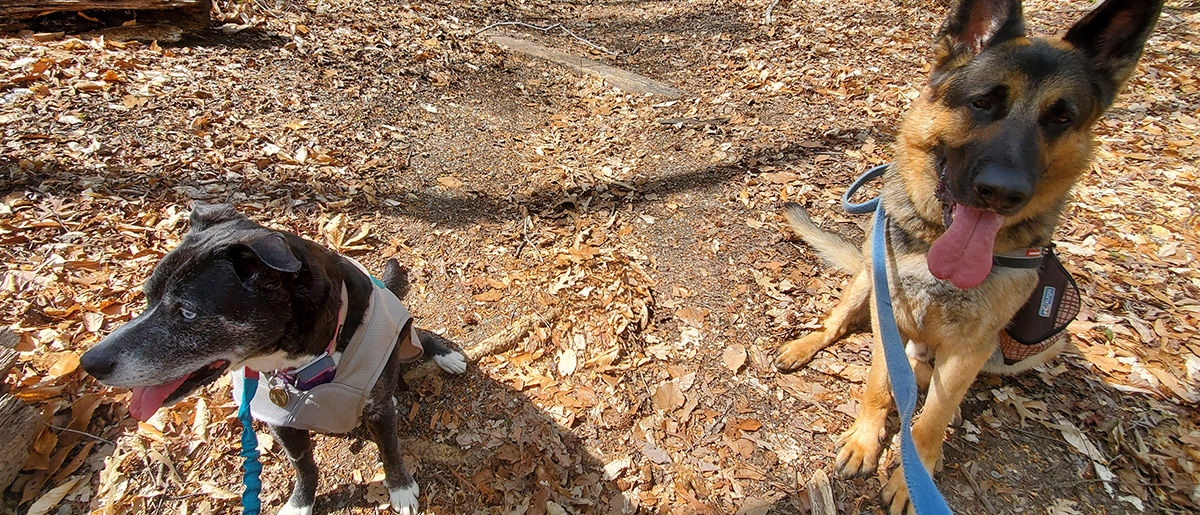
point(18, 422)
point(625, 80)
point(18, 425)
point(192, 13)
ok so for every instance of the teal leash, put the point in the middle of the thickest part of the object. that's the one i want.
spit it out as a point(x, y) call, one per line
point(250, 466)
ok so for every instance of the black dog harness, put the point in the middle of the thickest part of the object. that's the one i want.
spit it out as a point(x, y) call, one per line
point(1039, 323)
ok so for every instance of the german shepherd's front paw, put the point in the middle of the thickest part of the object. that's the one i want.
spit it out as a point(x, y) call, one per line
point(859, 450)
point(797, 353)
point(895, 494)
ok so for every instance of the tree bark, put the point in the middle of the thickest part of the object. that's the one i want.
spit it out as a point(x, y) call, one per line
point(18, 424)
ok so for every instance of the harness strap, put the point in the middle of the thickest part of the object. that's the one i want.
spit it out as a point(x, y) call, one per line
point(1028, 258)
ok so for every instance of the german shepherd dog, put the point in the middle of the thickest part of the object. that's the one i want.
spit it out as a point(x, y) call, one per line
point(985, 160)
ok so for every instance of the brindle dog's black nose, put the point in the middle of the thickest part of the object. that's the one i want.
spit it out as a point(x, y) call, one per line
point(97, 364)
point(1002, 189)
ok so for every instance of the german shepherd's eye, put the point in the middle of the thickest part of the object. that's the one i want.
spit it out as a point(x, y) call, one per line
point(982, 104)
point(187, 314)
point(1058, 118)
point(989, 106)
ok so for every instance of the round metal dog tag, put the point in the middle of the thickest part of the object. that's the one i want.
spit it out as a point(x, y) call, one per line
point(279, 396)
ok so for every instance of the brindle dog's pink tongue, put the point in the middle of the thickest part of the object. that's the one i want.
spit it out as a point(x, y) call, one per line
point(963, 254)
point(146, 401)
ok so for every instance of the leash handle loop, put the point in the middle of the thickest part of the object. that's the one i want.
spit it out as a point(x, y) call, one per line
point(922, 492)
point(870, 205)
point(250, 465)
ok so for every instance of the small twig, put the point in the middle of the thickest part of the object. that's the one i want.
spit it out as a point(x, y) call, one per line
point(1043, 437)
point(767, 18)
point(546, 29)
point(1182, 484)
point(525, 225)
point(69, 430)
point(495, 344)
point(970, 475)
point(188, 496)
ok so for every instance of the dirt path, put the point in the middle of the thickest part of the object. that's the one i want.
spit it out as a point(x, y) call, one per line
point(513, 189)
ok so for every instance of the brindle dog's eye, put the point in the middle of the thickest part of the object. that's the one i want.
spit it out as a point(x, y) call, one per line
point(187, 314)
point(1062, 119)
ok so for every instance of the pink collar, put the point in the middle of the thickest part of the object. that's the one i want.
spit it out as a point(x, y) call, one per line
point(341, 321)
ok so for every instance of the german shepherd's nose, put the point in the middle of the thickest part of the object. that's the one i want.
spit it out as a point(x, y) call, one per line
point(1002, 189)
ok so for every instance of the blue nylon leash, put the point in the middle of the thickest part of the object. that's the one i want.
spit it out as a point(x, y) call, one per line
point(924, 495)
point(250, 465)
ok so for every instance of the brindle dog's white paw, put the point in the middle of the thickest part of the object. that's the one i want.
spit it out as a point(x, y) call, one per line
point(454, 363)
point(288, 509)
point(404, 499)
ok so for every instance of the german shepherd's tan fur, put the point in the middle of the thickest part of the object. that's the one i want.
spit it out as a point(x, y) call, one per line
point(1004, 129)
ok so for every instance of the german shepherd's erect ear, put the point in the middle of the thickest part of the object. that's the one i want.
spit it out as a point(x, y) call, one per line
point(974, 26)
point(1112, 37)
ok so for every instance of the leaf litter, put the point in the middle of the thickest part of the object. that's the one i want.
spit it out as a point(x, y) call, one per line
point(615, 264)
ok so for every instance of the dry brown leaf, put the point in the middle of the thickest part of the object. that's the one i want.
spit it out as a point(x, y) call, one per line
point(655, 454)
point(150, 432)
point(92, 321)
point(50, 499)
point(692, 316)
point(567, 362)
point(67, 362)
point(82, 410)
point(492, 295)
point(734, 357)
point(36, 394)
point(668, 397)
point(216, 492)
point(39, 452)
point(749, 424)
point(450, 182)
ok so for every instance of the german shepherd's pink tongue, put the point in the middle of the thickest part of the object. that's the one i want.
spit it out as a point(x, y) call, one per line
point(963, 254)
point(146, 401)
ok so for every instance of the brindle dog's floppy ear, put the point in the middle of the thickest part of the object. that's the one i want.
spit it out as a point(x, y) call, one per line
point(274, 252)
point(205, 215)
point(974, 26)
point(1112, 36)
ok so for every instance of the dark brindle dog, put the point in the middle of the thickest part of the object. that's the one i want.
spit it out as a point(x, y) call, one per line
point(234, 294)
point(994, 144)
